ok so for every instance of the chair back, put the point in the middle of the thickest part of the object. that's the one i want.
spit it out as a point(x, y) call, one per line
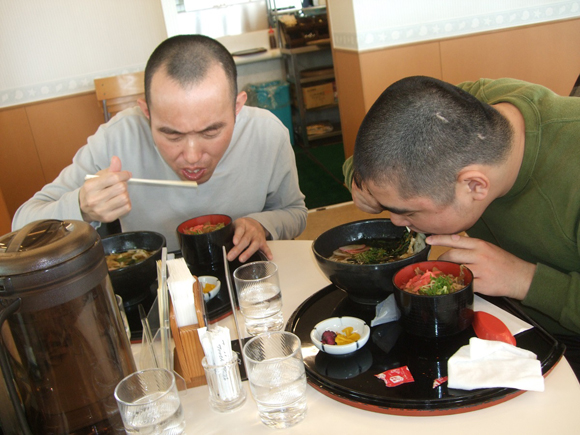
point(119, 92)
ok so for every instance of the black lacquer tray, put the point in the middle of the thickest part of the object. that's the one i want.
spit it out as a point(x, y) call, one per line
point(351, 378)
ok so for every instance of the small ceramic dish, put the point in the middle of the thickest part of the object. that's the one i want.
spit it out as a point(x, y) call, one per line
point(337, 324)
point(206, 279)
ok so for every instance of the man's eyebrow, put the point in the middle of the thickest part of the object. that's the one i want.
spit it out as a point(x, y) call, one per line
point(169, 130)
point(214, 126)
point(396, 210)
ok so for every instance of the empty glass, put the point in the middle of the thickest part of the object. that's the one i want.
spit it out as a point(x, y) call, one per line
point(259, 296)
point(149, 403)
point(277, 378)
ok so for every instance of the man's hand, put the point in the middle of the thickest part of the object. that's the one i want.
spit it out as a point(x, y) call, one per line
point(364, 200)
point(105, 198)
point(249, 236)
point(496, 272)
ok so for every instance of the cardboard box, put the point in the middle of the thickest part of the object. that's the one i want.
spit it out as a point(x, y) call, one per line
point(318, 95)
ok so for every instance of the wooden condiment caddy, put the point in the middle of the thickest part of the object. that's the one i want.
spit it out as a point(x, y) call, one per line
point(188, 350)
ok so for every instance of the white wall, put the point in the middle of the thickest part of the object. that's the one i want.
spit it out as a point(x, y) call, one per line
point(360, 25)
point(235, 19)
point(51, 48)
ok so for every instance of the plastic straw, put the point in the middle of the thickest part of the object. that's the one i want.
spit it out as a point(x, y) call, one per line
point(163, 309)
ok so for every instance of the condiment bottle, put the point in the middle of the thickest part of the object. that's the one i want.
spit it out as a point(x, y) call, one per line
point(272, 37)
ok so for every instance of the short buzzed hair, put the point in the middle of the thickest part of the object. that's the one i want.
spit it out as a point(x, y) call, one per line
point(421, 132)
point(187, 59)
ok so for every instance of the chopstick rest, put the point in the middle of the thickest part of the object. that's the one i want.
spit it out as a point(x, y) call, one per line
point(492, 364)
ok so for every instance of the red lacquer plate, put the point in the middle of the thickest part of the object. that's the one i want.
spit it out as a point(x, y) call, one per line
point(351, 379)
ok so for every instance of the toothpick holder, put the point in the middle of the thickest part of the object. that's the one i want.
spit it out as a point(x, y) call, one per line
point(188, 350)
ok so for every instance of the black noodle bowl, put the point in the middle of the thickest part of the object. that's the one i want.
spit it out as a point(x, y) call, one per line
point(365, 283)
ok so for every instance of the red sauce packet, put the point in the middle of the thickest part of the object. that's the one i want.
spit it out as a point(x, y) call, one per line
point(439, 381)
point(397, 376)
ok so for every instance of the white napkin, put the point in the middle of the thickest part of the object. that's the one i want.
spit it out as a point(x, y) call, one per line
point(492, 364)
point(180, 282)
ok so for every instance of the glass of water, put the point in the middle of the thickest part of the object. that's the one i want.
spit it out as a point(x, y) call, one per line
point(277, 378)
point(149, 403)
point(259, 296)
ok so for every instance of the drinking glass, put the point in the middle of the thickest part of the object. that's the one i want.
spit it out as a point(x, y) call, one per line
point(123, 316)
point(259, 296)
point(226, 392)
point(149, 403)
point(277, 378)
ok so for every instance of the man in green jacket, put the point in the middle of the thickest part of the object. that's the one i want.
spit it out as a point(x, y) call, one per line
point(499, 159)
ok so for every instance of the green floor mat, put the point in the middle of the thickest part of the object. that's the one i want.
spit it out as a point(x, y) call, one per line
point(332, 157)
point(320, 175)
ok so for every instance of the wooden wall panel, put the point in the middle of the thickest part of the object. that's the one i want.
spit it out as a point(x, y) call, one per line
point(5, 219)
point(38, 140)
point(60, 127)
point(382, 68)
point(362, 77)
point(349, 86)
point(21, 175)
point(547, 54)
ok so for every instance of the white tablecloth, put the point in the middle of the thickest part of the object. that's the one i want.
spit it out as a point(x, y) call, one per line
point(554, 411)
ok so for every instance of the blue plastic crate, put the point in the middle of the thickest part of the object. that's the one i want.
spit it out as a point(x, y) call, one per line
point(275, 97)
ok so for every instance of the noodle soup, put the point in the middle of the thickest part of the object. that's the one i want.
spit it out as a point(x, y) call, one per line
point(117, 260)
point(378, 251)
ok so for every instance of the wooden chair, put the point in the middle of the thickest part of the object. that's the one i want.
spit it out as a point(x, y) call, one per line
point(119, 92)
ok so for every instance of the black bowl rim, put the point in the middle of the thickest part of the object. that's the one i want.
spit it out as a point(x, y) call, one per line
point(468, 287)
point(320, 257)
point(203, 216)
point(127, 235)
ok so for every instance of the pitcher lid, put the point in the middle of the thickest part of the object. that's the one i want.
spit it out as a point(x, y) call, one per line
point(43, 244)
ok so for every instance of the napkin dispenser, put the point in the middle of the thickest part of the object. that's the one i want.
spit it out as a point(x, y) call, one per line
point(188, 350)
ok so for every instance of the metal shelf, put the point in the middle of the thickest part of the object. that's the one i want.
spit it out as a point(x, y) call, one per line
point(298, 60)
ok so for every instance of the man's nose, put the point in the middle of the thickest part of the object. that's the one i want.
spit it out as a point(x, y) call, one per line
point(399, 220)
point(192, 151)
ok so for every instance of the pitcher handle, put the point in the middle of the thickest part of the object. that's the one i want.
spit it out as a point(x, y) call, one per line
point(7, 370)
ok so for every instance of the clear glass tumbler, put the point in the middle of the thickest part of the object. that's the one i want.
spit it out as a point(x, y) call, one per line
point(259, 296)
point(149, 403)
point(277, 378)
point(226, 392)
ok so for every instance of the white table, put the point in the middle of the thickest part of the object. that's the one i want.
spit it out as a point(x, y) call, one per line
point(554, 411)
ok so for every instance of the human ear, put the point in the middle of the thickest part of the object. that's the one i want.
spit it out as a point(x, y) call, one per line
point(144, 108)
point(240, 101)
point(475, 183)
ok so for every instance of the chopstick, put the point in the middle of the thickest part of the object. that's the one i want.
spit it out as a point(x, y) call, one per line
point(178, 183)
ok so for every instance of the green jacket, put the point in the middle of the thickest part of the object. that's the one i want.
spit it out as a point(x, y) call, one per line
point(539, 219)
